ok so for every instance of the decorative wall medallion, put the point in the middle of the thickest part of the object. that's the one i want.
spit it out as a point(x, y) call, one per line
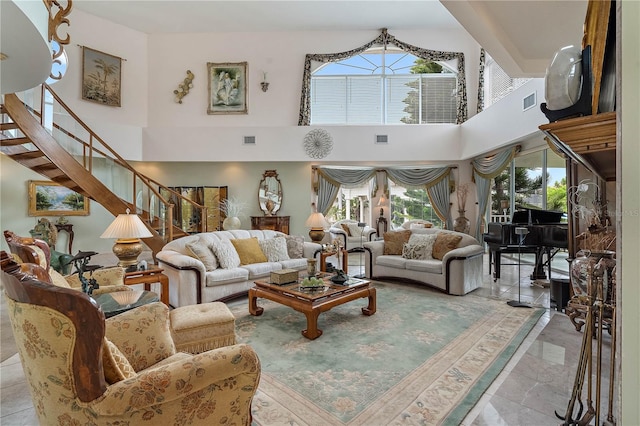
point(318, 143)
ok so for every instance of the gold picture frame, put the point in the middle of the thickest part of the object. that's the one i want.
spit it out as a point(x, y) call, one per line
point(101, 77)
point(48, 198)
point(228, 87)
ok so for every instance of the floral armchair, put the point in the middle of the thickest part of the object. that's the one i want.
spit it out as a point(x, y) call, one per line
point(82, 369)
point(34, 250)
point(349, 232)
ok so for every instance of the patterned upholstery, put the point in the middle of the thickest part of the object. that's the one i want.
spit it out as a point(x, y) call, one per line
point(33, 250)
point(60, 336)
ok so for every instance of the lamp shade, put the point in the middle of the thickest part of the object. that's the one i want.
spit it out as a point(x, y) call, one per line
point(382, 201)
point(316, 221)
point(127, 226)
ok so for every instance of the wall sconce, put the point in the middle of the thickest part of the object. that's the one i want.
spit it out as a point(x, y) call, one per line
point(264, 84)
point(183, 88)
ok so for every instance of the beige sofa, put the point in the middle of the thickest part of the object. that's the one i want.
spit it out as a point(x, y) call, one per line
point(352, 238)
point(458, 272)
point(191, 282)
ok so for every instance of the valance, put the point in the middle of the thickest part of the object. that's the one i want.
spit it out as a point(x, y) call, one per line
point(384, 39)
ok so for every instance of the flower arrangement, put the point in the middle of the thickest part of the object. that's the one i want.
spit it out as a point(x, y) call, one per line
point(586, 205)
point(461, 193)
point(232, 207)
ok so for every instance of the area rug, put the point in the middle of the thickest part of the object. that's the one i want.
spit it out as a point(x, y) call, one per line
point(423, 358)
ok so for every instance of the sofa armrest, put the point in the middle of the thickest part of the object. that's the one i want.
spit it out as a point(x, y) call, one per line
point(338, 233)
point(369, 233)
point(234, 370)
point(186, 277)
point(463, 252)
point(311, 250)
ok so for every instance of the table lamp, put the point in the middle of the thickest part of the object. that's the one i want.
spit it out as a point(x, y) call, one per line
point(381, 202)
point(127, 229)
point(317, 223)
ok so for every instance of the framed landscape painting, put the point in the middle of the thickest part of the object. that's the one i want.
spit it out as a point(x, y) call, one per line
point(227, 88)
point(51, 199)
point(101, 77)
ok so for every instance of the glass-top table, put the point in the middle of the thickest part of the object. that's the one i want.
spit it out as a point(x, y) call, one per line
point(117, 302)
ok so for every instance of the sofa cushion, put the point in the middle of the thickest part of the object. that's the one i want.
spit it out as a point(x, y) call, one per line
point(295, 246)
point(226, 254)
point(432, 266)
point(225, 276)
point(355, 230)
point(202, 251)
point(392, 261)
point(346, 229)
point(294, 263)
point(260, 270)
point(275, 249)
point(395, 240)
point(445, 242)
point(115, 365)
point(249, 250)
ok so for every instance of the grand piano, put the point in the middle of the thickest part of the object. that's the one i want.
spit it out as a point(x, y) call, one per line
point(545, 235)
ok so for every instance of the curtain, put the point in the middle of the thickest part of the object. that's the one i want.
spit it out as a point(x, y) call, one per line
point(480, 107)
point(485, 169)
point(384, 39)
point(330, 180)
point(434, 179)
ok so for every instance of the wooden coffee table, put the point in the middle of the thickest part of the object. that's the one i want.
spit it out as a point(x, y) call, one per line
point(312, 303)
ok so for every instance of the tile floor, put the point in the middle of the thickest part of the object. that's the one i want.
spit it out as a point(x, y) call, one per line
point(537, 381)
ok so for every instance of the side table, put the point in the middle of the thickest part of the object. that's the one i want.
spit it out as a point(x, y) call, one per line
point(148, 277)
point(325, 254)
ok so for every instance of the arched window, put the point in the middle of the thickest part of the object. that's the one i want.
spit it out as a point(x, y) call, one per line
point(383, 86)
point(383, 82)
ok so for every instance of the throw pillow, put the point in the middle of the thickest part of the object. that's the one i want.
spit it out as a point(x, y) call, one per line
point(226, 254)
point(395, 240)
point(445, 242)
point(249, 250)
point(345, 227)
point(57, 279)
point(354, 229)
point(201, 251)
point(425, 243)
point(414, 251)
point(295, 246)
point(275, 249)
point(115, 365)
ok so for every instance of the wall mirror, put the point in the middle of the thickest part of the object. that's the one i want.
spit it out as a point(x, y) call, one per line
point(270, 193)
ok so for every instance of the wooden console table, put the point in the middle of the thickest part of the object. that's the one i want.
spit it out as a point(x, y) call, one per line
point(68, 228)
point(148, 277)
point(274, 223)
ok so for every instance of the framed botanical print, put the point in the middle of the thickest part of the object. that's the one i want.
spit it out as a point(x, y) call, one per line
point(227, 88)
point(48, 198)
point(101, 77)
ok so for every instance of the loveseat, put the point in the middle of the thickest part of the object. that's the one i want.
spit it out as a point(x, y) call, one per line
point(349, 232)
point(208, 266)
point(446, 260)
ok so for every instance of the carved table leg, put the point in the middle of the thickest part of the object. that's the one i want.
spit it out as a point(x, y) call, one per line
point(312, 332)
point(371, 309)
point(254, 309)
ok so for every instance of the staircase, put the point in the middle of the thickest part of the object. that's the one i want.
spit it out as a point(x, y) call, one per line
point(72, 155)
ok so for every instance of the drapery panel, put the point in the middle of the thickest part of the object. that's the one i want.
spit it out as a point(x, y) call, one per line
point(483, 60)
point(384, 39)
point(330, 180)
point(434, 179)
point(485, 169)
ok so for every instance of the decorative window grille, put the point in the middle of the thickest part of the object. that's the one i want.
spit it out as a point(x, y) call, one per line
point(497, 83)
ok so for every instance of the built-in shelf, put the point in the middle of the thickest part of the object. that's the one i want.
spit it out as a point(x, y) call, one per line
point(590, 140)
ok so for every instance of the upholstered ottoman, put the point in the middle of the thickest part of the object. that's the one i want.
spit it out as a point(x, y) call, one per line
point(199, 328)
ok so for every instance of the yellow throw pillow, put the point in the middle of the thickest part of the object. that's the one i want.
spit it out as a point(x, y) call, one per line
point(395, 240)
point(249, 250)
point(445, 242)
point(345, 228)
point(115, 365)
